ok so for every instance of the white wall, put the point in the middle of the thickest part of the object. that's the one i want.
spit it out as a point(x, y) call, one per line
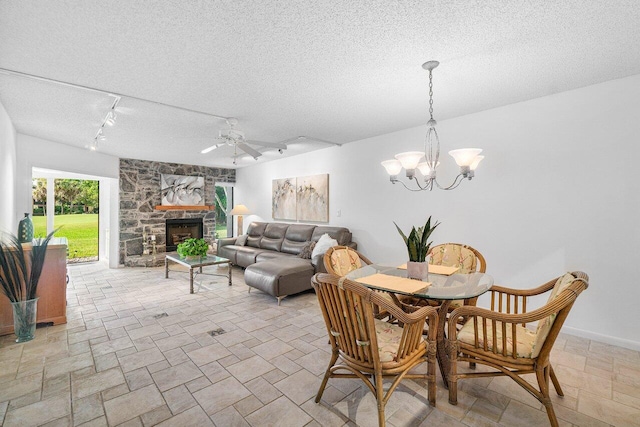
point(35, 152)
point(8, 215)
point(556, 192)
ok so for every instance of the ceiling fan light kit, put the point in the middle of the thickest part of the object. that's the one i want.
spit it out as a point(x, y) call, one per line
point(427, 161)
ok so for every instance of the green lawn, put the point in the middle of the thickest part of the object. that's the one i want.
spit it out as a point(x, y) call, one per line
point(221, 230)
point(81, 230)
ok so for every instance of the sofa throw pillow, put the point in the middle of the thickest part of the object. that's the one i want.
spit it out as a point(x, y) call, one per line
point(241, 240)
point(307, 250)
point(324, 243)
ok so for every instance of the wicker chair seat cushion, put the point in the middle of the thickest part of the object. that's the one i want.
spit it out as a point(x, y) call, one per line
point(454, 256)
point(525, 338)
point(344, 261)
point(389, 337)
point(544, 325)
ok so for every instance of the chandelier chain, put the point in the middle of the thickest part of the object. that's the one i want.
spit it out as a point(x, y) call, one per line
point(430, 94)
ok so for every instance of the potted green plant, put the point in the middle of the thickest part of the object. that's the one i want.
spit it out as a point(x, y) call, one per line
point(19, 277)
point(418, 246)
point(193, 248)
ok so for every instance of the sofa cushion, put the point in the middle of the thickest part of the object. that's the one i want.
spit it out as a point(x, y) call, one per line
point(241, 240)
point(245, 256)
point(324, 243)
point(269, 255)
point(296, 237)
point(281, 276)
point(273, 236)
point(255, 232)
point(307, 250)
point(229, 252)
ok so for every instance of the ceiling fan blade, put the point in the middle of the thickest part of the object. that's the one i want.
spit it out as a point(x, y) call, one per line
point(250, 151)
point(208, 149)
point(278, 145)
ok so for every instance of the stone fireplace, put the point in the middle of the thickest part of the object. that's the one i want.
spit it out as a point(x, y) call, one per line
point(179, 230)
point(140, 218)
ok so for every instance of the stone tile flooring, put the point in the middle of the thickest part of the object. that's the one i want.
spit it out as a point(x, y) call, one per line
point(139, 350)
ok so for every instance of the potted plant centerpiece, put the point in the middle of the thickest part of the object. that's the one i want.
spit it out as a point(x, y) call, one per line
point(418, 246)
point(193, 248)
point(19, 277)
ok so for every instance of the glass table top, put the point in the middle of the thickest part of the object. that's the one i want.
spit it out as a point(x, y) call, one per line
point(196, 262)
point(455, 286)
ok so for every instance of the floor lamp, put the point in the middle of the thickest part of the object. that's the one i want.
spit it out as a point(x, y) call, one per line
point(239, 210)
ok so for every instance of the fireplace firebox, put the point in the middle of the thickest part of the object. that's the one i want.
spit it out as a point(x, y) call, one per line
point(178, 230)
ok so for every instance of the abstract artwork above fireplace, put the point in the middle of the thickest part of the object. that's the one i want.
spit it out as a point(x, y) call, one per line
point(181, 190)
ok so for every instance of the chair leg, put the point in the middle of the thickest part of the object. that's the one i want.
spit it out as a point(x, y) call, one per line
point(380, 399)
point(453, 373)
point(327, 374)
point(542, 375)
point(555, 381)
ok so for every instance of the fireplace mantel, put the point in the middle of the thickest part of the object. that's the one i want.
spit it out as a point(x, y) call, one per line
point(186, 208)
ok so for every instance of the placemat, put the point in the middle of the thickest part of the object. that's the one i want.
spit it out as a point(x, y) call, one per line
point(394, 283)
point(436, 269)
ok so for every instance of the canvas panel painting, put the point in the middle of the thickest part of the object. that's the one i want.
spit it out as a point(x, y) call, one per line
point(313, 198)
point(283, 199)
point(181, 190)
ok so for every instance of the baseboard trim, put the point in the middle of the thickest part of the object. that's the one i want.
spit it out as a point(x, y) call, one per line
point(620, 342)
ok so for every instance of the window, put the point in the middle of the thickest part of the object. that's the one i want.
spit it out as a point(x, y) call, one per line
point(224, 204)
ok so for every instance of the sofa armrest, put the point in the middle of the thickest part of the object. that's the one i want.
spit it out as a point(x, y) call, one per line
point(226, 241)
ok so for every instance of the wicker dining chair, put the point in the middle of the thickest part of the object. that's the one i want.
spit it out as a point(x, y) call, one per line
point(340, 260)
point(468, 259)
point(369, 348)
point(499, 337)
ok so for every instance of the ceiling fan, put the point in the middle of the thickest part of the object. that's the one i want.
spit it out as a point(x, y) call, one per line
point(235, 138)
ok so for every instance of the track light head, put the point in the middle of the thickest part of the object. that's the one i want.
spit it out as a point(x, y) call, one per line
point(111, 118)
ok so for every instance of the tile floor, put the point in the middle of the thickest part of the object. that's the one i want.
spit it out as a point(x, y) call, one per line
point(139, 350)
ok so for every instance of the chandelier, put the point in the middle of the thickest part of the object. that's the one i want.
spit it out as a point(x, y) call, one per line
point(426, 161)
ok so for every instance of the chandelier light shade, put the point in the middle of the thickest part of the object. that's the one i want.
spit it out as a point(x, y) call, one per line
point(427, 161)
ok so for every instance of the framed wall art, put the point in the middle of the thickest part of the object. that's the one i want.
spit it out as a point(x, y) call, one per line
point(283, 199)
point(312, 198)
point(181, 190)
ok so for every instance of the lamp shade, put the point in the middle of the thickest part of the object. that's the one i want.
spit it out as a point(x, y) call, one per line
point(410, 159)
point(476, 162)
point(393, 167)
point(465, 156)
point(424, 168)
point(240, 210)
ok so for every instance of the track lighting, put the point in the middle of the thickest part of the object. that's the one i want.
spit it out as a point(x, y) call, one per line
point(109, 119)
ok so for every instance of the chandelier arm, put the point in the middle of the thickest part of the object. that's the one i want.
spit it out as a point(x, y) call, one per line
point(457, 181)
point(420, 188)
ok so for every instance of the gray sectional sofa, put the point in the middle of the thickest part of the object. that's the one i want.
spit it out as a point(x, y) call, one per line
point(270, 255)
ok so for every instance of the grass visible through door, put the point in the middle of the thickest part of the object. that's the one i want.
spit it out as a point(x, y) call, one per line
point(81, 230)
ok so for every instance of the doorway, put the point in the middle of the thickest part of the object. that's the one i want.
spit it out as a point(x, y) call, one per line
point(71, 205)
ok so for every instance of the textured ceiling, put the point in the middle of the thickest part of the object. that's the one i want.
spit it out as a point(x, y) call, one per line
point(337, 71)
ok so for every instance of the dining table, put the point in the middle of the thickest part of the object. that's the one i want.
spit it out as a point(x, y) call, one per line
point(443, 285)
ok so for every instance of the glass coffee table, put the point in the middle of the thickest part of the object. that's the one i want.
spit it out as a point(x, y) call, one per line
point(197, 263)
